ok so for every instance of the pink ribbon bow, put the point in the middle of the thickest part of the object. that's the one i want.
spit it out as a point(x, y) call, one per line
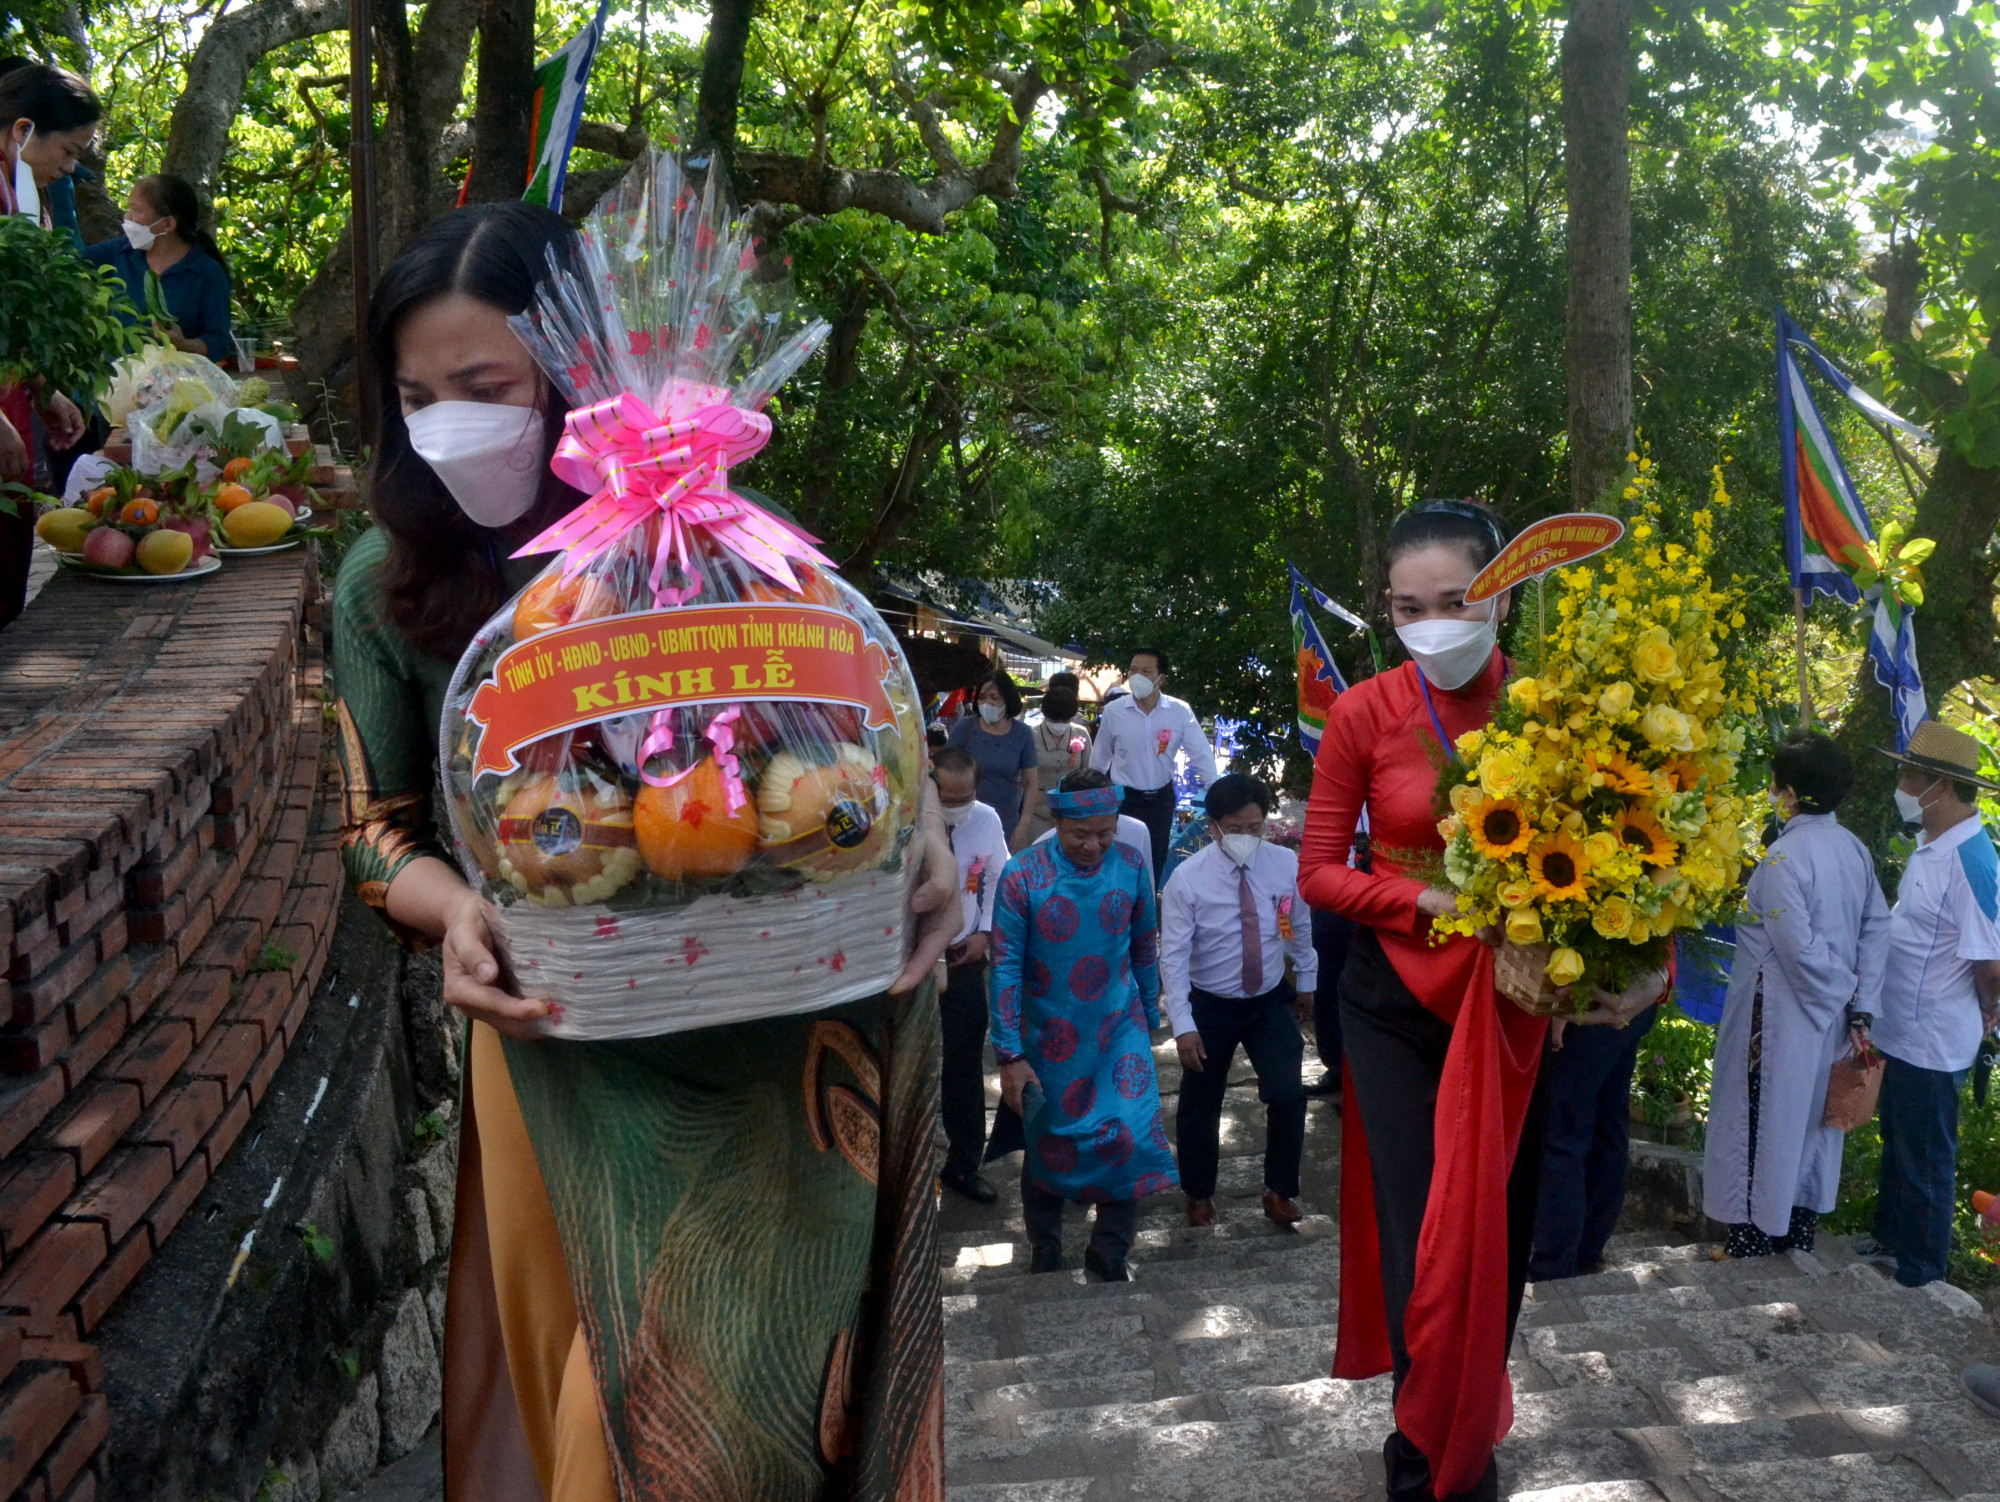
point(637, 464)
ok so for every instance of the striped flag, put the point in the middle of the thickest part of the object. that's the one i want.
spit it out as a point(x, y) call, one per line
point(1824, 518)
point(1320, 682)
point(558, 109)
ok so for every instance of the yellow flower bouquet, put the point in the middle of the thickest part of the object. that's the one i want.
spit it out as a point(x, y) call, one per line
point(1601, 811)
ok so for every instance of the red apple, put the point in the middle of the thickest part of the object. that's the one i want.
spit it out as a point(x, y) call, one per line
point(279, 499)
point(107, 547)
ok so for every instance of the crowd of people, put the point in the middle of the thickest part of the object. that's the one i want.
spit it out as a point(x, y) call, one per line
point(1482, 1146)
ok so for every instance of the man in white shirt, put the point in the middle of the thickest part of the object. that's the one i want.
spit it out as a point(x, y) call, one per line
point(1940, 995)
point(1137, 739)
point(981, 847)
point(1230, 917)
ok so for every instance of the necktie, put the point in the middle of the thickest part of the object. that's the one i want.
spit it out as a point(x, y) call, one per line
point(1253, 935)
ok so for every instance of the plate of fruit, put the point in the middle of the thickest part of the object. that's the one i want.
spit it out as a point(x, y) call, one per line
point(130, 530)
point(259, 506)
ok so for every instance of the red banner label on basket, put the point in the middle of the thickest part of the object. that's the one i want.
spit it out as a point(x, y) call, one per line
point(1552, 543)
point(710, 654)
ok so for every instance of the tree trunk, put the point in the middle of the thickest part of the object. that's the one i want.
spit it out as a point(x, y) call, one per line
point(900, 490)
point(722, 74)
point(1596, 76)
point(829, 427)
point(500, 123)
point(198, 134)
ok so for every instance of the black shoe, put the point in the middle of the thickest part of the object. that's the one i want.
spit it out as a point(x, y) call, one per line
point(1045, 1259)
point(1326, 1084)
point(1105, 1270)
point(971, 1185)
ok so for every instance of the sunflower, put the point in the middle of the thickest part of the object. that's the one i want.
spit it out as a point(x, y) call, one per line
point(1682, 773)
point(1498, 828)
point(1621, 773)
point(1641, 835)
point(1556, 866)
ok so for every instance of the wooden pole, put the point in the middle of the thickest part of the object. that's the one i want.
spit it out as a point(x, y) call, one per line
point(361, 191)
point(1805, 688)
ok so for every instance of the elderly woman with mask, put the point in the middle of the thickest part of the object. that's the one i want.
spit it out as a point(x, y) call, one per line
point(1062, 745)
point(1809, 962)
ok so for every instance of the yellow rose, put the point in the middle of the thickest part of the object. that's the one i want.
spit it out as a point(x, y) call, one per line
point(1601, 847)
point(1613, 917)
point(1463, 796)
point(1516, 894)
point(1726, 838)
point(1501, 773)
point(1524, 926)
point(1666, 727)
point(1616, 699)
point(1525, 692)
point(1639, 932)
point(1448, 828)
point(1653, 656)
point(1565, 967)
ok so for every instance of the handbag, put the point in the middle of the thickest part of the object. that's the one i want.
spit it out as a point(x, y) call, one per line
point(1853, 1085)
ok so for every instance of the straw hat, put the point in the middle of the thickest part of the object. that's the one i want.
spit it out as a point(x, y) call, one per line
point(1947, 752)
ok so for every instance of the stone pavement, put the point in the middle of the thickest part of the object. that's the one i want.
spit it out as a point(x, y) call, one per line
point(1666, 1378)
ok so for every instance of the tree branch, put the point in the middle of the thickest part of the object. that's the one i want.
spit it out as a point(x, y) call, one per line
point(626, 142)
point(198, 134)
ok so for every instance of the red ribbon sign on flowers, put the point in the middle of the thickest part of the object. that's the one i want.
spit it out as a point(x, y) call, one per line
point(635, 664)
point(1553, 543)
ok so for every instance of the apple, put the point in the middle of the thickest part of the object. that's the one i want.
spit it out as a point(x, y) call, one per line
point(107, 547)
point(284, 503)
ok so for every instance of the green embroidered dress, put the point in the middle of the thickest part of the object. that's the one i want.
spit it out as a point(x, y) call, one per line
point(747, 1213)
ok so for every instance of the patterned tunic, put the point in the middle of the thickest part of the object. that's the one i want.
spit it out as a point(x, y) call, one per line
point(1076, 991)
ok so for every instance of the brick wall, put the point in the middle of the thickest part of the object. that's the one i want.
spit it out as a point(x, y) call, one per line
point(168, 880)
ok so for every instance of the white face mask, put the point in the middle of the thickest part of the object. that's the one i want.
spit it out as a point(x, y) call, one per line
point(992, 714)
point(1241, 848)
point(27, 197)
point(138, 236)
point(956, 814)
point(489, 456)
point(1451, 653)
point(1142, 687)
point(1910, 806)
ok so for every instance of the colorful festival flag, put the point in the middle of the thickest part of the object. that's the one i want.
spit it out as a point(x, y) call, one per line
point(558, 109)
point(1824, 518)
point(1320, 682)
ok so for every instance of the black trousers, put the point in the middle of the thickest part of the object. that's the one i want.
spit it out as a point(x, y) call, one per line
point(1586, 1144)
point(1266, 1030)
point(1395, 1053)
point(1154, 807)
point(1111, 1235)
point(962, 1076)
point(1332, 936)
point(17, 553)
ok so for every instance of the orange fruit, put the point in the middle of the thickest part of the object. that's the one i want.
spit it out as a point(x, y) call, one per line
point(229, 497)
point(565, 838)
point(685, 829)
point(553, 601)
point(140, 513)
point(815, 588)
point(99, 498)
point(236, 469)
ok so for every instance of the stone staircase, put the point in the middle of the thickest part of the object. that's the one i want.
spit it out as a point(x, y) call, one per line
point(1665, 1378)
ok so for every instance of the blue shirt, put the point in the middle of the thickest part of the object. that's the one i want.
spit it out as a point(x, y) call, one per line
point(195, 287)
point(1002, 759)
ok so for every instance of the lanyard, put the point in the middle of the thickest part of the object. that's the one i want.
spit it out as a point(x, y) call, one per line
point(1424, 687)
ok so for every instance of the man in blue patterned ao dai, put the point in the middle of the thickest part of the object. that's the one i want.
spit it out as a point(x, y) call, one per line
point(1076, 993)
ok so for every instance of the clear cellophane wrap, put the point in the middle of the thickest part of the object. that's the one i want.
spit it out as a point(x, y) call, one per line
point(684, 764)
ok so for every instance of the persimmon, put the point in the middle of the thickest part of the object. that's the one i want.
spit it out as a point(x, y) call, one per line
point(229, 497)
point(553, 601)
point(140, 513)
point(815, 588)
point(236, 469)
point(99, 498)
point(686, 830)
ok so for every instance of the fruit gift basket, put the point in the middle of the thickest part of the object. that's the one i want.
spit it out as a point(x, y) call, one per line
point(684, 763)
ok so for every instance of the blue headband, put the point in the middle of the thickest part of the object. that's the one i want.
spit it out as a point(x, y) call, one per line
point(1087, 804)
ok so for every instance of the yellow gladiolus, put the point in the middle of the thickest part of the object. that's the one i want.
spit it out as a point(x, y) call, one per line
point(1565, 967)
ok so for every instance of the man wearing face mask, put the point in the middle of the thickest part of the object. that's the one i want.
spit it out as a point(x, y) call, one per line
point(1940, 995)
point(1138, 739)
point(1230, 917)
point(980, 845)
